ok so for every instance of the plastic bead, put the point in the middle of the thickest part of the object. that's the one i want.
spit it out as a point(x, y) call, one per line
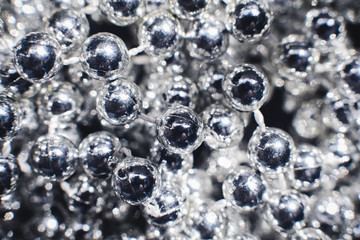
point(54, 157)
point(136, 180)
point(124, 12)
point(246, 88)
point(223, 127)
point(104, 56)
point(272, 150)
point(244, 189)
point(99, 153)
point(70, 28)
point(38, 57)
point(180, 130)
point(248, 20)
point(119, 102)
point(161, 34)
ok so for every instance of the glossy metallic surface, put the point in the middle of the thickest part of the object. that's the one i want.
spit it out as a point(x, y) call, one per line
point(69, 27)
point(168, 208)
point(8, 175)
point(244, 189)
point(119, 102)
point(246, 88)
point(9, 118)
point(54, 157)
point(99, 154)
point(223, 126)
point(309, 234)
point(272, 150)
point(180, 130)
point(104, 56)
point(208, 38)
point(349, 83)
point(136, 180)
point(307, 168)
point(161, 34)
point(188, 9)
point(287, 211)
point(249, 20)
point(38, 57)
point(123, 12)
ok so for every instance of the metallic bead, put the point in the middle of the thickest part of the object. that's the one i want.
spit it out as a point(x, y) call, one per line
point(10, 116)
point(9, 174)
point(189, 9)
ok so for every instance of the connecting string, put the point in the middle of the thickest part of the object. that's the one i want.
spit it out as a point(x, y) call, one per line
point(6, 149)
point(147, 118)
point(259, 118)
point(71, 61)
point(136, 51)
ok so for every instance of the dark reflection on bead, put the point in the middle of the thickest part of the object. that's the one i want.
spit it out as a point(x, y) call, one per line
point(173, 160)
point(37, 56)
point(162, 36)
point(248, 87)
point(192, 5)
point(136, 183)
point(288, 212)
point(126, 7)
point(221, 124)
point(274, 151)
point(178, 94)
point(297, 55)
point(352, 76)
point(309, 175)
point(8, 119)
point(325, 26)
point(251, 19)
point(60, 106)
point(249, 190)
point(164, 219)
point(6, 177)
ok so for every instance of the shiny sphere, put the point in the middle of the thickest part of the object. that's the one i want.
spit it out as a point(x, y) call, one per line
point(54, 157)
point(59, 101)
point(170, 162)
point(136, 180)
point(246, 88)
point(123, 12)
point(70, 28)
point(104, 56)
point(272, 150)
point(211, 76)
point(244, 189)
point(287, 210)
point(188, 9)
point(324, 24)
point(9, 173)
point(167, 209)
point(309, 234)
point(223, 126)
point(99, 153)
point(349, 84)
point(161, 34)
point(38, 57)
point(119, 102)
point(296, 57)
point(248, 20)
point(208, 38)
point(307, 168)
point(341, 154)
point(10, 118)
point(180, 130)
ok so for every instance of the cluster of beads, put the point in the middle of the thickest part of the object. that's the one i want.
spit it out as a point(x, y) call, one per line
point(179, 119)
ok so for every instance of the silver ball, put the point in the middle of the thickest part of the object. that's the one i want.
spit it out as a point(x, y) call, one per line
point(119, 102)
point(271, 151)
point(167, 209)
point(9, 173)
point(136, 180)
point(10, 115)
point(307, 168)
point(69, 27)
point(309, 234)
point(246, 87)
point(189, 9)
point(248, 20)
point(38, 57)
point(161, 34)
point(54, 157)
point(211, 76)
point(244, 189)
point(208, 38)
point(349, 84)
point(104, 56)
point(99, 153)
point(124, 12)
point(179, 130)
point(286, 211)
point(59, 102)
point(223, 126)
